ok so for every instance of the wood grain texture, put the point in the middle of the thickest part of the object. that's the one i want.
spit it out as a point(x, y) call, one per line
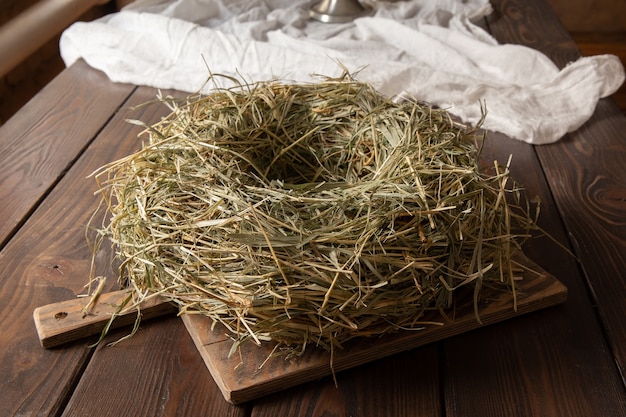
point(157, 372)
point(93, 383)
point(541, 364)
point(47, 258)
point(550, 356)
point(558, 361)
point(406, 384)
point(40, 143)
point(78, 318)
point(587, 176)
point(591, 195)
point(251, 373)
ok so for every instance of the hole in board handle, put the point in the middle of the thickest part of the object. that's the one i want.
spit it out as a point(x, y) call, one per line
point(60, 315)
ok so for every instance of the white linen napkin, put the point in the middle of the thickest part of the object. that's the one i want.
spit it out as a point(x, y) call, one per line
point(427, 49)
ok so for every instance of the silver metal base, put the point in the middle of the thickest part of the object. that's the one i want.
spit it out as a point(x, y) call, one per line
point(338, 11)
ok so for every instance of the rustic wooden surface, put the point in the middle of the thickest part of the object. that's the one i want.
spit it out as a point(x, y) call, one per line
point(252, 372)
point(586, 172)
point(81, 317)
point(41, 142)
point(563, 361)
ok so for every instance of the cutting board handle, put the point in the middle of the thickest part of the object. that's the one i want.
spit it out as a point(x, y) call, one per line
point(67, 321)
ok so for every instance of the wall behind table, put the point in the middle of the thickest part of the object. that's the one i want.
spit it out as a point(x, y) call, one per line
point(25, 80)
point(595, 16)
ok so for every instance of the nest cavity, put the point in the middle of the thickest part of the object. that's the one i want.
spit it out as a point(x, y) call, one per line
point(309, 214)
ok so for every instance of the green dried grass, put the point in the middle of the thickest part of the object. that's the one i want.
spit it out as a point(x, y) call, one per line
point(310, 213)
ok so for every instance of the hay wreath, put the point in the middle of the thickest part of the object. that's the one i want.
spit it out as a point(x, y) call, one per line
point(310, 214)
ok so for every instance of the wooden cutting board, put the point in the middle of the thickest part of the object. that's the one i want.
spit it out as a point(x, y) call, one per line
point(251, 372)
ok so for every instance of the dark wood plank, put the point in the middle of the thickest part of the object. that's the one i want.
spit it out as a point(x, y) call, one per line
point(155, 373)
point(406, 384)
point(47, 259)
point(591, 195)
point(545, 363)
point(549, 357)
point(158, 372)
point(557, 361)
point(587, 176)
point(242, 378)
point(39, 143)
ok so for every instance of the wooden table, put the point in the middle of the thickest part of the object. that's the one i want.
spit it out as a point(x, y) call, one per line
point(568, 360)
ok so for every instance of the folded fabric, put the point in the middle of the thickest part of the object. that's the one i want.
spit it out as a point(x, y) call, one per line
point(426, 49)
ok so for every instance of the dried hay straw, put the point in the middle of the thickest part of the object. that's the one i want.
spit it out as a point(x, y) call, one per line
point(309, 213)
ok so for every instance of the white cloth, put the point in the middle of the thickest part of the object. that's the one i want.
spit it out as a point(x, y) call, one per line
point(427, 49)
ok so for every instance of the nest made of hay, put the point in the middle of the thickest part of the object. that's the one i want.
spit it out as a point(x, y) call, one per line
point(309, 213)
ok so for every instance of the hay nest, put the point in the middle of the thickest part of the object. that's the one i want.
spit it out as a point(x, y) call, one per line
point(309, 213)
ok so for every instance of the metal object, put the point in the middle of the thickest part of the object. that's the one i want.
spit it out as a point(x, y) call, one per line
point(338, 11)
